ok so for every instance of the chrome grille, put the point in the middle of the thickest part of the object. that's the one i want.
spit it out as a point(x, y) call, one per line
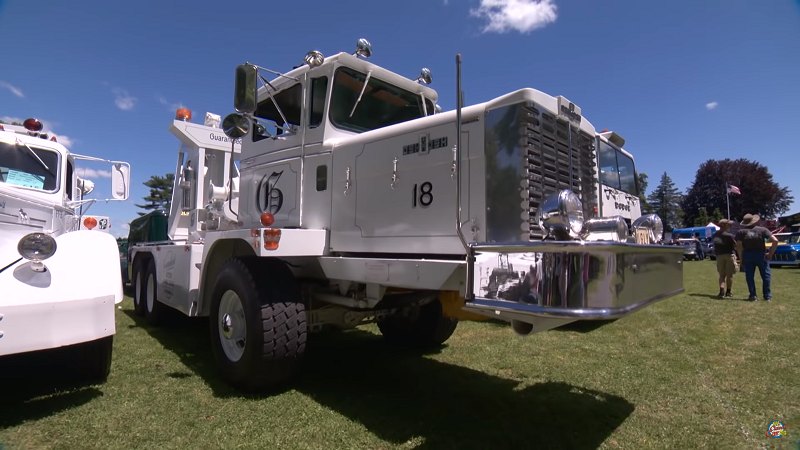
point(551, 155)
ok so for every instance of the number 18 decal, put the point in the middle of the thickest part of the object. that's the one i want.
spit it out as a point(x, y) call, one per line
point(422, 194)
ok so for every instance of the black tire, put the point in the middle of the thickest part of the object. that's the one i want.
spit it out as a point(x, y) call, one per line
point(153, 309)
point(423, 327)
point(93, 359)
point(137, 282)
point(257, 323)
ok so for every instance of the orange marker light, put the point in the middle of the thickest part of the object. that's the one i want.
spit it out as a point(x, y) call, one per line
point(32, 124)
point(183, 114)
point(267, 219)
point(89, 222)
point(272, 237)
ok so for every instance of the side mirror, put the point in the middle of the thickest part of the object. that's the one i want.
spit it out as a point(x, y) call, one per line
point(235, 125)
point(244, 91)
point(120, 180)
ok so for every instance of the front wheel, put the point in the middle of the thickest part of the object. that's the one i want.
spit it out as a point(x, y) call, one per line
point(93, 358)
point(421, 327)
point(258, 328)
point(138, 289)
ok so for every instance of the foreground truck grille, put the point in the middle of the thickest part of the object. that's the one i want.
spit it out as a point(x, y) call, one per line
point(531, 153)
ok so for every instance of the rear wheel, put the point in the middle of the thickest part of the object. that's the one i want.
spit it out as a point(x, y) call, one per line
point(138, 289)
point(258, 328)
point(421, 327)
point(153, 309)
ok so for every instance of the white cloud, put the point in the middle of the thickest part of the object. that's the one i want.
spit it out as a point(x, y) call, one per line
point(13, 89)
point(123, 100)
point(711, 105)
point(522, 16)
point(88, 173)
point(172, 107)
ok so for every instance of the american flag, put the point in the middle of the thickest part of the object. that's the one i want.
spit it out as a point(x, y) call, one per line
point(734, 190)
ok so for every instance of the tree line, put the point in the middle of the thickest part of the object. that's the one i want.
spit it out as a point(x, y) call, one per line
point(742, 185)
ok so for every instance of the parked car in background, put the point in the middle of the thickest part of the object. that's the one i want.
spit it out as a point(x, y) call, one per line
point(787, 251)
point(690, 249)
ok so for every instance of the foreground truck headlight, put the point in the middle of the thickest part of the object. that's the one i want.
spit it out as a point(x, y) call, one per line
point(561, 215)
point(37, 247)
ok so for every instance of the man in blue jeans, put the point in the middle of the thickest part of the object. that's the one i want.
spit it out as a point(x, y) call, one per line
point(753, 252)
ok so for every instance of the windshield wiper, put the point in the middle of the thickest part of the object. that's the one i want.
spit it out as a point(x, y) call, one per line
point(363, 88)
point(35, 156)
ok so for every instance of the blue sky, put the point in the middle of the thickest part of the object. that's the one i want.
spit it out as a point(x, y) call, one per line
point(682, 81)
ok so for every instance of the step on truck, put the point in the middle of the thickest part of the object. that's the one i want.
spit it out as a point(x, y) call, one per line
point(59, 276)
point(340, 195)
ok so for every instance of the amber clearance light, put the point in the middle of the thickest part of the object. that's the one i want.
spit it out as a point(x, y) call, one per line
point(183, 114)
point(89, 222)
point(267, 219)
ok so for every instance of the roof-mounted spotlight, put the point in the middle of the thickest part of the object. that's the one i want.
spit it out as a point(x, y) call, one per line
point(314, 58)
point(424, 76)
point(363, 48)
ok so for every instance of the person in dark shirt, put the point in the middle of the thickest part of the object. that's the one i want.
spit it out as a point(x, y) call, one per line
point(724, 245)
point(698, 247)
point(750, 245)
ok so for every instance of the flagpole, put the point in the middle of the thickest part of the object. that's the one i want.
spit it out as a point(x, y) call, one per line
point(728, 199)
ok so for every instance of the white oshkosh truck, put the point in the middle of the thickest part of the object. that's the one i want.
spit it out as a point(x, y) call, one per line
point(338, 195)
point(58, 284)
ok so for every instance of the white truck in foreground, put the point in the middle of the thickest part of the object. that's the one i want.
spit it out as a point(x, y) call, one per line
point(58, 284)
point(340, 196)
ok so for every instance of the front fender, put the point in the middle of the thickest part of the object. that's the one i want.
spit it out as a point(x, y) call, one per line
point(85, 265)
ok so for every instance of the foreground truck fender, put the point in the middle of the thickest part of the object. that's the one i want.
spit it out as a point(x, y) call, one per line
point(339, 196)
point(59, 284)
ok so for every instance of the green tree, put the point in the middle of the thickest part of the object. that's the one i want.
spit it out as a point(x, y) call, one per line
point(716, 216)
point(759, 193)
point(665, 201)
point(160, 193)
point(702, 218)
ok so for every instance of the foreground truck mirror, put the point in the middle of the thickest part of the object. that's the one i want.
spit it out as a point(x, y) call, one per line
point(120, 181)
point(235, 125)
point(244, 92)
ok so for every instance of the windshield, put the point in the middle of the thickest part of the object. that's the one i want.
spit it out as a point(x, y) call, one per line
point(30, 166)
point(381, 104)
point(616, 169)
point(788, 238)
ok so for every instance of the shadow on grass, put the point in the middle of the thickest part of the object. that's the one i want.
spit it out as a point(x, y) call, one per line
point(401, 395)
point(717, 299)
point(38, 385)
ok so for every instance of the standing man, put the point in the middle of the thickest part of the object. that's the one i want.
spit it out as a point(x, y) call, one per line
point(750, 245)
point(726, 260)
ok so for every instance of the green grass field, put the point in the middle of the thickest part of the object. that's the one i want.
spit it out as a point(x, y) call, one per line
point(691, 371)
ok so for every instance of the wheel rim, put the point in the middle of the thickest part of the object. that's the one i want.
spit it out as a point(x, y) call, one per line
point(231, 326)
point(137, 296)
point(151, 292)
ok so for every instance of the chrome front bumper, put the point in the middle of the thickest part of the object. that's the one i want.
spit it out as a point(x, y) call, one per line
point(569, 281)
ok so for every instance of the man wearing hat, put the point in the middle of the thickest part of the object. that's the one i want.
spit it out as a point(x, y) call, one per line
point(750, 245)
point(726, 260)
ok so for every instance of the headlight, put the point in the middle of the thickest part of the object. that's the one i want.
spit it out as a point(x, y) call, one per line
point(561, 215)
point(37, 247)
point(652, 225)
point(606, 229)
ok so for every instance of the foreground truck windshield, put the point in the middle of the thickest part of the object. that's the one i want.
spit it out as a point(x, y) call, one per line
point(365, 205)
point(28, 166)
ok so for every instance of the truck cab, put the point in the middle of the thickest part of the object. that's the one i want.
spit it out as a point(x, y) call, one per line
point(59, 282)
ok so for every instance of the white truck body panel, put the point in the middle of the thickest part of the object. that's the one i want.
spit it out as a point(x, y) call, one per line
point(73, 300)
